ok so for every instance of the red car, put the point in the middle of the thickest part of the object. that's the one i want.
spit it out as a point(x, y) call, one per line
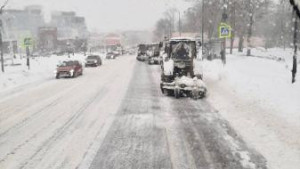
point(72, 68)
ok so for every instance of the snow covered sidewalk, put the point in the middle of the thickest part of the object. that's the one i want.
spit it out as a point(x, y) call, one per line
point(256, 96)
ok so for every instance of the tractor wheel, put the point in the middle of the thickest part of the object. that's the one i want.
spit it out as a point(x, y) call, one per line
point(166, 92)
point(161, 88)
point(177, 93)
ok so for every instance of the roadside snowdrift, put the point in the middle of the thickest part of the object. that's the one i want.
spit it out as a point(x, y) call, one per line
point(256, 96)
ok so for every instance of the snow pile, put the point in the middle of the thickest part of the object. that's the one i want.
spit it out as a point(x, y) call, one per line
point(278, 54)
point(256, 96)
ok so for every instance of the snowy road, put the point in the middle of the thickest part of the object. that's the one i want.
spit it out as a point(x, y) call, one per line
point(115, 117)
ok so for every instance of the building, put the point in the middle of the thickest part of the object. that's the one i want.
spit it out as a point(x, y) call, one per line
point(17, 24)
point(47, 38)
point(72, 33)
point(69, 26)
point(112, 40)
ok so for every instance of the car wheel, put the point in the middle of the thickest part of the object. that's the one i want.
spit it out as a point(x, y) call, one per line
point(57, 76)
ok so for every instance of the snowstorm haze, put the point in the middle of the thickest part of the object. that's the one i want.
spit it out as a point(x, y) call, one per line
point(107, 15)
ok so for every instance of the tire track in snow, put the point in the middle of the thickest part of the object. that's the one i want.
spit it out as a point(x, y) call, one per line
point(44, 147)
point(135, 140)
point(180, 154)
point(47, 146)
point(33, 107)
point(219, 144)
point(56, 98)
point(76, 115)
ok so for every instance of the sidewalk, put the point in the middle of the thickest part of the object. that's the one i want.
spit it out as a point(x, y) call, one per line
point(256, 96)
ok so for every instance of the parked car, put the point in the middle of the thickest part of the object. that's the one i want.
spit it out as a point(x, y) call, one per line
point(93, 60)
point(72, 68)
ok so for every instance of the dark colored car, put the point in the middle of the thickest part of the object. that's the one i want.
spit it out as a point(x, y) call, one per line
point(154, 58)
point(93, 60)
point(141, 53)
point(72, 68)
point(110, 55)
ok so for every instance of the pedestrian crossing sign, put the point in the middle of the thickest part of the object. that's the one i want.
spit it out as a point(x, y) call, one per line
point(27, 41)
point(224, 30)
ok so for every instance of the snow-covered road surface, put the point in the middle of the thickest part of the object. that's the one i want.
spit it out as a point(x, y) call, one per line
point(115, 117)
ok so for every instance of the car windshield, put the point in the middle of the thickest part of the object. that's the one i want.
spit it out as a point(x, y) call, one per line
point(142, 48)
point(182, 50)
point(92, 57)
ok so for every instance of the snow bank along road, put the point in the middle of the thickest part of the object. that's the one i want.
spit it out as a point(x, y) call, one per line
point(115, 117)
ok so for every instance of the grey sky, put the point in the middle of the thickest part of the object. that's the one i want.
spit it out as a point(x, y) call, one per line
point(108, 15)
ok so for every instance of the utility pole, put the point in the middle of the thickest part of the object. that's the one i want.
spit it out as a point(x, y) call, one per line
point(27, 42)
point(179, 23)
point(28, 57)
point(1, 42)
point(1, 45)
point(294, 70)
point(202, 30)
point(296, 14)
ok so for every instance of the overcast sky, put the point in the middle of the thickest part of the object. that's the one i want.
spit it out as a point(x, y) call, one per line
point(108, 15)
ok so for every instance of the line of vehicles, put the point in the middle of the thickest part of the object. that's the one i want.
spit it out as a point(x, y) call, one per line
point(74, 68)
point(150, 53)
point(181, 66)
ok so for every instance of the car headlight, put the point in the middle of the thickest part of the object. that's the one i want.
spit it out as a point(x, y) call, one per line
point(72, 71)
point(95, 61)
point(55, 71)
point(182, 85)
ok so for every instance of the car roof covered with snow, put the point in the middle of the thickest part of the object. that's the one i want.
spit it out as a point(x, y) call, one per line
point(182, 39)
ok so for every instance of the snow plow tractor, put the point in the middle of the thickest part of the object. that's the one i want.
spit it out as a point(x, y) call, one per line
point(181, 71)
